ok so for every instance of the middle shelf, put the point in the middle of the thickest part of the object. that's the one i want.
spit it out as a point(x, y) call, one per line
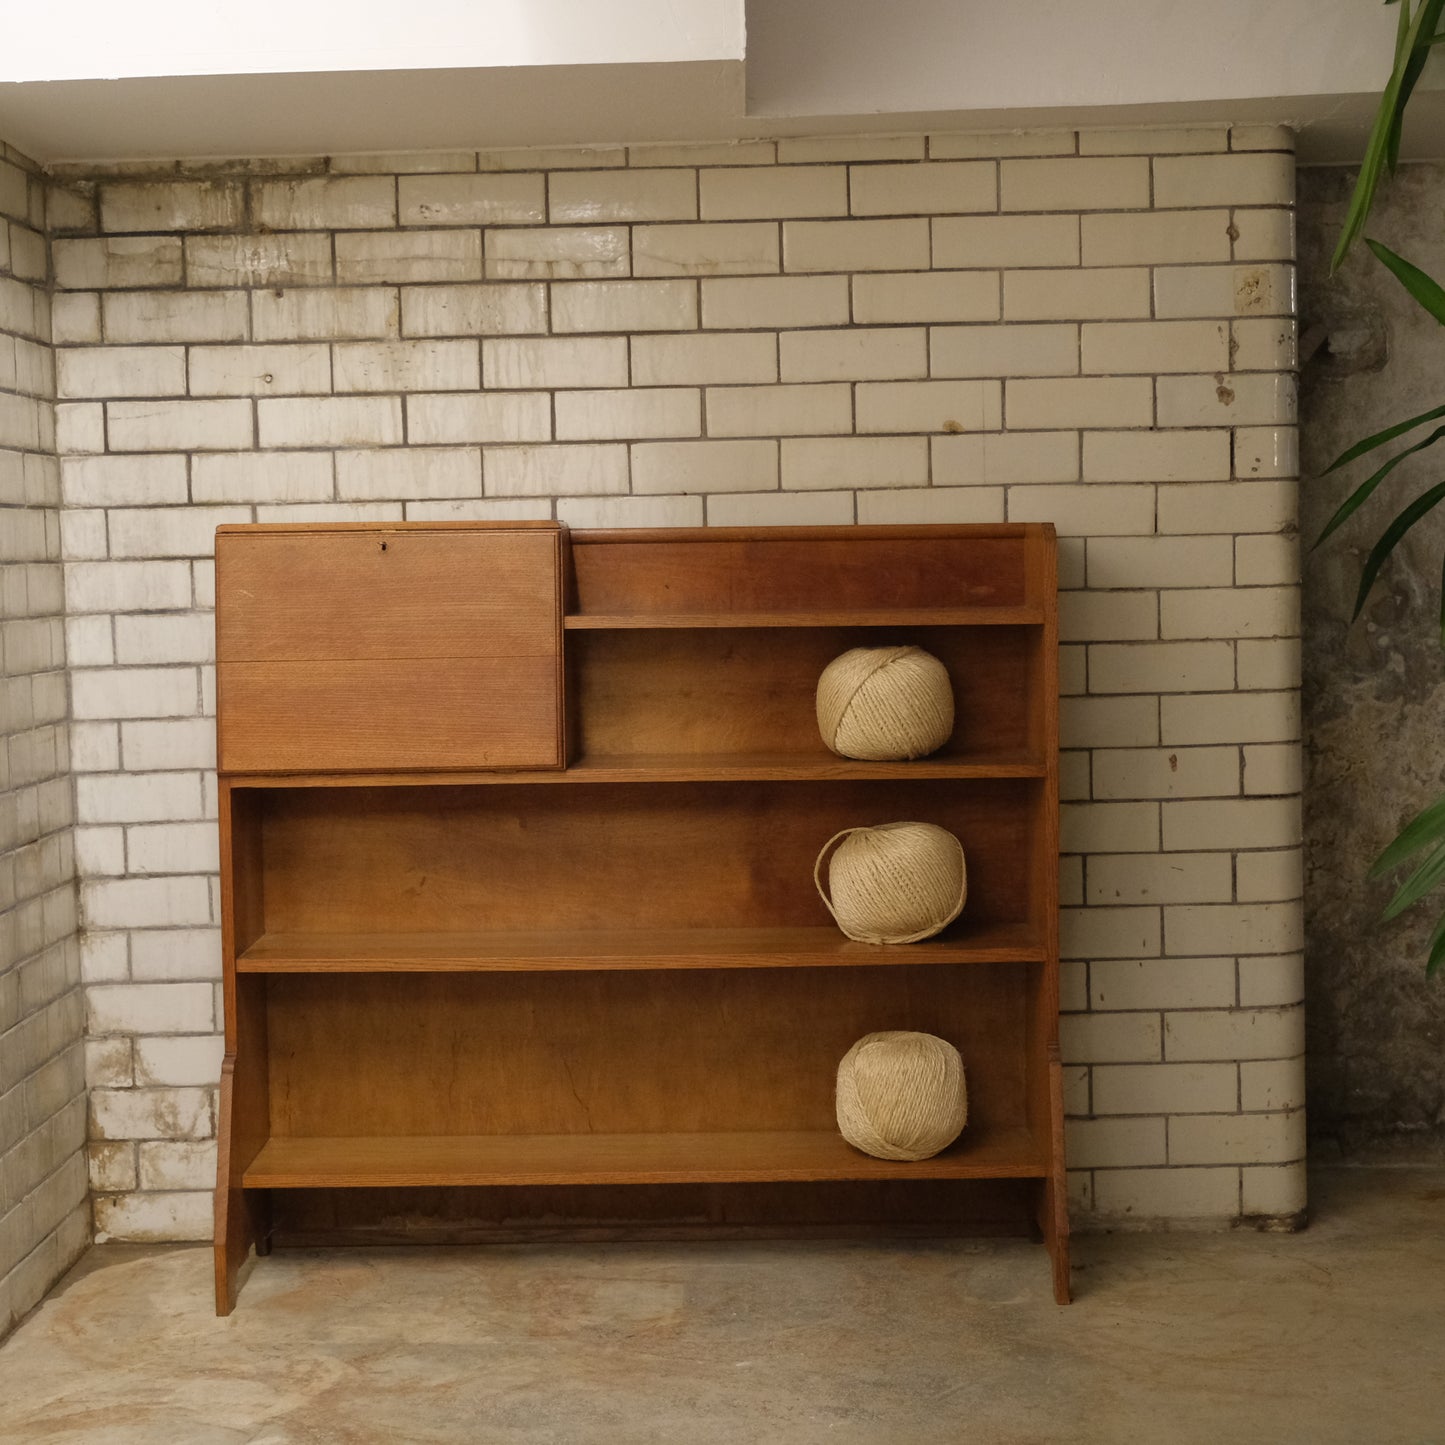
point(610, 876)
point(663, 948)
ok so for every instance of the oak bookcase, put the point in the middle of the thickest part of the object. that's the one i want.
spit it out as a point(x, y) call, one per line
point(517, 836)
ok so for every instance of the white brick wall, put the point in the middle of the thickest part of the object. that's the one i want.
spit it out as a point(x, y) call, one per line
point(1095, 330)
point(44, 1214)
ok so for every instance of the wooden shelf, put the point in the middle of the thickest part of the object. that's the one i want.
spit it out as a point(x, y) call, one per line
point(631, 949)
point(909, 617)
point(775, 767)
point(795, 767)
point(543, 1159)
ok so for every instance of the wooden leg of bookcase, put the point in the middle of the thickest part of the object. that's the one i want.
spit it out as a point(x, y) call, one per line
point(236, 1231)
point(243, 1216)
point(1053, 1215)
point(1054, 1221)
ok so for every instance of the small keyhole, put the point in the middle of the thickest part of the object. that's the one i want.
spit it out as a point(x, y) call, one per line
point(383, 546)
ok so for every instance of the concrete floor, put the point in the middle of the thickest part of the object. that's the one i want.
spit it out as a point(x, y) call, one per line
point(1333, 1335)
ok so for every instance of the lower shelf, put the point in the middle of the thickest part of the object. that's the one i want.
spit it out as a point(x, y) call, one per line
point(534, 1159)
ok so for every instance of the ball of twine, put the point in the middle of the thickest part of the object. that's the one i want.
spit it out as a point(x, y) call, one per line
point(896, 883)
point(885, 703)
point(901, 1095)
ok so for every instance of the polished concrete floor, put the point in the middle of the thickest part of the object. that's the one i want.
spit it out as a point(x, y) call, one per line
point(1333, 1335)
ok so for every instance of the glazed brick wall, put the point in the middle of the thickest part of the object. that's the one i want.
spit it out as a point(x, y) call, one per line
point(44, 1212)
point(1094, 329)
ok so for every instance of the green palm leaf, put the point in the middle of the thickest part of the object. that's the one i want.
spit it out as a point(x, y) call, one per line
point(1426, 831)
point(1413, 37)
point(1437, 948)
point(1428, 827)
point(1417, 885)
point(1390, 538)
point(1419, 54)
point(1362, 493)
point(1381, 437)
point(1419, 29)
point(1429, 293)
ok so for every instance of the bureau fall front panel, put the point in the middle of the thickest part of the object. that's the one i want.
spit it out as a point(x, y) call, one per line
point(353, 650)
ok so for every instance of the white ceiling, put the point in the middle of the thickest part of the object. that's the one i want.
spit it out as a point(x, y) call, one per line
point(500, 73)
point(102, 40)
point(1315, 64)
point(337, 112)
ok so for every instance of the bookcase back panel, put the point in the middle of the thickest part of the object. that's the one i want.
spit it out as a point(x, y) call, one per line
point(506, 858)
point(752, 690)
point(609, 1052)
point(820, 573)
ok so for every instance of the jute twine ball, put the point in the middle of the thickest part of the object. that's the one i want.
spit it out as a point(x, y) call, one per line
point(885, 703)
point(896, 883)
point(901, 1095)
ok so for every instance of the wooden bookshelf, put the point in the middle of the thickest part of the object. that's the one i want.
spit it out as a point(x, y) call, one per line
point(517, 841)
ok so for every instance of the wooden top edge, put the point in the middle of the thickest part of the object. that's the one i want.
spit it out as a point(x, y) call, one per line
point(251, 529)
point(792, 534)
point(614, 535)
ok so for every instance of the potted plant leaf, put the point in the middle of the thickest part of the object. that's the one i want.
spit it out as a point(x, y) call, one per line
point(1421, 843)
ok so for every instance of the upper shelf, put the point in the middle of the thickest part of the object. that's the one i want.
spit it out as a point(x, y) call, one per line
point(795, 767)
point(1012, 616)
point(770, 767)
point(665, 948)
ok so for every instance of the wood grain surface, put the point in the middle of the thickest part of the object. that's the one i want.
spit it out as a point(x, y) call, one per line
point(742, 693)
point(774, 570)
point(388, 647)
point(612, 856)
point(489, 1159)
point(544, 950)
point(621, 1051)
